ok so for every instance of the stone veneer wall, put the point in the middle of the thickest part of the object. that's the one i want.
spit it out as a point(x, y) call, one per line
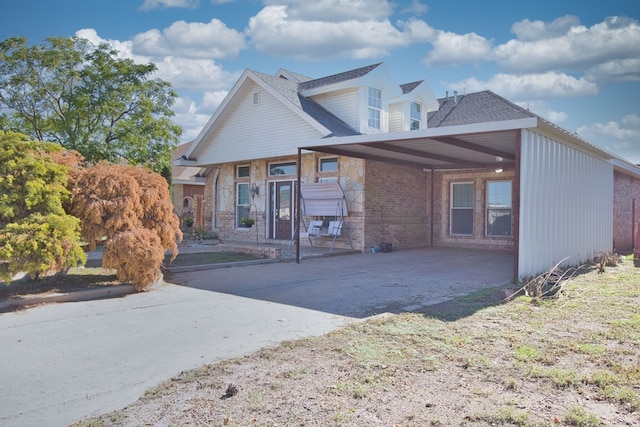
point(625, 190)
point(221, 219)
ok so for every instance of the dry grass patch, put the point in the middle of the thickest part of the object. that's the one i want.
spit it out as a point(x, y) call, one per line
point(573, 360)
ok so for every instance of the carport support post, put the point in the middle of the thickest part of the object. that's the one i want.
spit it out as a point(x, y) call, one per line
point(515, 197)
point(298, 208)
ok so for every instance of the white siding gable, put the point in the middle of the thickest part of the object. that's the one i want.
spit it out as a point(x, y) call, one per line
point(396, 117)
point(248, 131)
point(343, 104)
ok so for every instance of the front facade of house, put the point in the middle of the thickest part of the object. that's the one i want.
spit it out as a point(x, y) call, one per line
point(472, 171)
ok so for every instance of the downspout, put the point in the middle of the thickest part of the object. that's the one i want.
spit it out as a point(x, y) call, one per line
point(298, 210)
point(633, 224)
point(432, 210)
point(515, 197)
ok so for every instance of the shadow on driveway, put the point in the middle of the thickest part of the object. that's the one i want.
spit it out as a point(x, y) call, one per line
point(362, 285)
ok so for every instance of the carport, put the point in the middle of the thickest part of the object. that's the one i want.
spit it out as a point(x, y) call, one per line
point(550, 169)
point(494, 145)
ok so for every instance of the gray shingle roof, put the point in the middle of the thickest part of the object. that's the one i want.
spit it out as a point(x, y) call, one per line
point(478, 107)
point(337, 78)
point(408, 87)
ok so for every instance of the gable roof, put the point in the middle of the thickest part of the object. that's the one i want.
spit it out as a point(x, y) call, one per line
point(478, 107)
point(408, 87)
point(338, 78)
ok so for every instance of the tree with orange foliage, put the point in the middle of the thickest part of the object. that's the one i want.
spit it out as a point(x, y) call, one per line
point(129, 208)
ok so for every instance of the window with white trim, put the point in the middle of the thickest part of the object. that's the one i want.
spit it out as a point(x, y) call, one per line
point(328, 164)
point(374, 102)
point(416, 115)
point(243, 205)
point(289, 168)
point(242, 171)
point(499, 208)
point(256, 98)
point(242, 202)
point(461, 208)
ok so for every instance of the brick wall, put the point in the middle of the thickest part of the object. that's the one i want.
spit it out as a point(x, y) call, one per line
point(396, 206)
point(626, 189)
point(442, 235)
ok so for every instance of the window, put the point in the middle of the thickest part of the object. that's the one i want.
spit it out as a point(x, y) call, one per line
point(242, 202)
point(276, 169)
point(328, 165)
point(416, 115)
point(256, 98)
point(462, 208)
point(242, 172)
point(499, 208)
point(375, 107)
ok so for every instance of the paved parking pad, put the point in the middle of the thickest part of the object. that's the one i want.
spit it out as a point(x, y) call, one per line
point(66, 361)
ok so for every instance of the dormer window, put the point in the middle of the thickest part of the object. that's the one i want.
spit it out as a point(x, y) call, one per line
point(375, 107)
point(416, 115)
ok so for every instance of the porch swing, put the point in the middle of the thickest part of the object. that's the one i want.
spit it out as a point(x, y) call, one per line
point(323, 199)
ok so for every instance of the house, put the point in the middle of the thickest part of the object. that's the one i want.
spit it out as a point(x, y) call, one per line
point(469, 170)
point(187, 190)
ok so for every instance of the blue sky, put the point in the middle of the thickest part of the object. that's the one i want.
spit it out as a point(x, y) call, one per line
point(575, 63)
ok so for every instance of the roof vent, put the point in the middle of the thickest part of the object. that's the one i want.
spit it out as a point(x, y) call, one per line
point(455, 97)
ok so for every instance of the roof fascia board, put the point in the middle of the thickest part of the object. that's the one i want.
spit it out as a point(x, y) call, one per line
point(576, 141)
point(626, 168)
point(430, 133)
point(188, 182)
point(185, 162)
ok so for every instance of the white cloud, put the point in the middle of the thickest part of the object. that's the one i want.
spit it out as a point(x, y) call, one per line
point(543, 110)
point(124, 48)
point(190, 117)
point(579, 48)
point(155, 4)
point(538, 30)
point(185, 74)
point(620, 138)
point(415, 8)
point(622, 70)
point(333, 10)
point(276, 32)
point(194, 74)
point(529, 86)
point(450, 48)
point(193, 39)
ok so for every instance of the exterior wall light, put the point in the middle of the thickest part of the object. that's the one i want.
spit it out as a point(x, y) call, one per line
point(254, 191)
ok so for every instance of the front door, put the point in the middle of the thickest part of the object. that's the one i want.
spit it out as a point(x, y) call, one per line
point(282, 202)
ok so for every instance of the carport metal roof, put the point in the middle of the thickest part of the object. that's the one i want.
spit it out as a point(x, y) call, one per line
point(482, 145)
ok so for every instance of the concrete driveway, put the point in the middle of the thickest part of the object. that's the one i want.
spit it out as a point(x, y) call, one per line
point(362, 285)
point(67, 361)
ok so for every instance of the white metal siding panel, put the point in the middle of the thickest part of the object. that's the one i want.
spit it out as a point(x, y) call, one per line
point(395, 117)
point(342, 104)
point(566, 204)
point(269, 129)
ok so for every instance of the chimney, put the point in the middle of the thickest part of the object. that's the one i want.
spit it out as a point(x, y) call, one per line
point(455, 97)
point(446, 96)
